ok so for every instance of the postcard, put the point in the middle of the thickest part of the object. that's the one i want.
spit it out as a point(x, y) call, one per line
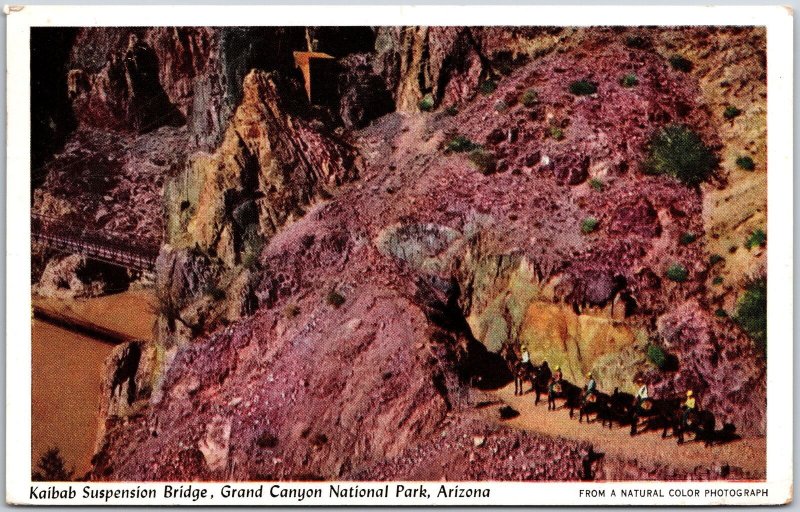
point(395, 255)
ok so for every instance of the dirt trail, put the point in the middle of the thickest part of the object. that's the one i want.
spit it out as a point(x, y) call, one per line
point(747, 453)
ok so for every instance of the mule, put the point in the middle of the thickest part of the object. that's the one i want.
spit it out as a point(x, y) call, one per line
point(596, 403)
point(566, 390)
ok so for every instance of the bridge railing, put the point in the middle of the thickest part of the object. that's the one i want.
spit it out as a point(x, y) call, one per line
point(106, 246)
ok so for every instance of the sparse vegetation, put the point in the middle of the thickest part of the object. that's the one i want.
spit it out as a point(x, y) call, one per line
point(529, 98)
point(555, 133)
point(629, 80)
point(589, 225)
point(686, 238)
point(335, 299)
point(291, 311)
point(661, 358)
point(757, 238)
point(680, 63)
point(487, 87)
point(721, 313)
point(677, 272)
point(597, 184)
point(745, 163)
point(715, 258)
point(638, 42)
point(751, 312)
point(461, 144)
point(483, 161)
point(731, 112)
point(717, 280)
point(452, 110)
point(679, 152)
point(52, 467)
point(427, 103)
point(582, 87)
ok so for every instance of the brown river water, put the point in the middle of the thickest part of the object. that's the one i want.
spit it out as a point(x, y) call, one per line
point(67, 366)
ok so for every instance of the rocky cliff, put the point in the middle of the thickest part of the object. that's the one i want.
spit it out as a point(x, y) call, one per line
point(336, 279)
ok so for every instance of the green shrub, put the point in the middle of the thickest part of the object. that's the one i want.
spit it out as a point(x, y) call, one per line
point(686, 238)
point(597, 184)
point(731, 112)
point(717, 280)
point(679, 152)
point(745, 163)
point(680, 63)
point(52, 467)
point(483, 161)
point(461, 144)
point(452, 110)
point(529, 98)
point(556, 133)
point(582, 87)
point(427, 103)
point(721, 313)
point(335, 298)
point(714, 259)
point(629, 80)
point(677, 272)
point(659, 357)
point(487, 87)
point(589, 225)
point(751, 312)
point(757, 238)
point(638, 42)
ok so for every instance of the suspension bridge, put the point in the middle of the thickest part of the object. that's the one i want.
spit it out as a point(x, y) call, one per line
point(105, 246)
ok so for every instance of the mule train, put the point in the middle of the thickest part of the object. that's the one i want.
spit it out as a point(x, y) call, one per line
point(673, 415)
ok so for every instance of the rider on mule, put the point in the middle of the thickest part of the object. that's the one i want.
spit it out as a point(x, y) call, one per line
point(526, 357)
point(689, 406)
point(555, 380)
point(591, 387)
point(641, 394)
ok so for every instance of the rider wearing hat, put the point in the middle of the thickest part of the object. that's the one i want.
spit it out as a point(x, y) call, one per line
point(556, 379)
point(641, 393)
point(689, 406)
point(591, 386)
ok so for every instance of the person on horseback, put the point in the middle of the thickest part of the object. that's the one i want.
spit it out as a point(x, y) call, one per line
point(689, 406)
point(591, 387)
point(526, 357)
point(554, 381)
point(641, 394)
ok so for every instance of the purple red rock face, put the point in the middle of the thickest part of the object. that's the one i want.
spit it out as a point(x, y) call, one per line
point(337, 280)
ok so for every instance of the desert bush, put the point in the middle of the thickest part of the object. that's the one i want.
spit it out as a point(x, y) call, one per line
point(680, 63)
point(745, 163)
point(483, 161)
point(427, 103)
point(638, 42)
point(629, 80)
point(597, 184)
point(555, 133)
point(266, 440)
point(335, 298)
point(582, 87)
point(529, 97)
point(679, 152)
point(589, 225)
point(661, 358)
point(452, 110)
point(677, 272)
point(487, 87)
point(731, 112)
point(751, 312)
point(686, 238)
point(714, 259)
point(461, 144)
point(721, 313)
point(718, 280)
point(757, 238)
point(52, 467)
